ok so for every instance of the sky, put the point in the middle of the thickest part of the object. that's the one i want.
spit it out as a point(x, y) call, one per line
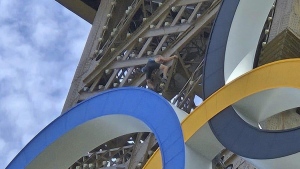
point(41, 43)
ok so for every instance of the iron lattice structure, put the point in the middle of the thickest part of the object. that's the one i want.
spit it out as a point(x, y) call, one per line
point(123, 36)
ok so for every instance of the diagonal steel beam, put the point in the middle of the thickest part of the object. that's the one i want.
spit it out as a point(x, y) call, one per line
point(128, 63)
point(166, 30)
point(186, 2)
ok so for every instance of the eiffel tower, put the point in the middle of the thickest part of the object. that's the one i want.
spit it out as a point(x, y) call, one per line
point(123, 36)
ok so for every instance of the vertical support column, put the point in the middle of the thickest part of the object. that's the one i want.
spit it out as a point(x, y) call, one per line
point(85, 60)
point(287, 15)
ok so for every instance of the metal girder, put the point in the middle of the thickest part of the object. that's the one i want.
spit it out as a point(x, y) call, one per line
point(85, 95)
point(194, 13)
point(94, 85)
point(166, 30)
point(139, 81)
point(186, 72)
point(112, 78)
point(80, 8)
point(170, 74)
point(136, 149)
point(140, 151)
point(186, 2)
point(129, 63)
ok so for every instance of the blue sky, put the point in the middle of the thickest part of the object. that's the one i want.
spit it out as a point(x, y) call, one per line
point(40, 46)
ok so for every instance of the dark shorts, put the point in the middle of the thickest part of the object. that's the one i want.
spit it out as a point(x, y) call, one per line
point(151, 66)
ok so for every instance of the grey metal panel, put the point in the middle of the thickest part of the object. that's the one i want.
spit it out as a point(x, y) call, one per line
point(92, 3)
point(79, 8)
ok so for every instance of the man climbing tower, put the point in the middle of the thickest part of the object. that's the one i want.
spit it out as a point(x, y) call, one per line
point(158, 62)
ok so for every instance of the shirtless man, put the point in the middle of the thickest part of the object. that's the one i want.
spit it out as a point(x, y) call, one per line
point(157, 63)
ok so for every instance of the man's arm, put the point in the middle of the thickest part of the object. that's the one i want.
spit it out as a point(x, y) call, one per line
point(168, 58)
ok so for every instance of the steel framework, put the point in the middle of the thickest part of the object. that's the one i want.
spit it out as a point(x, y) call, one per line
point(123, 36)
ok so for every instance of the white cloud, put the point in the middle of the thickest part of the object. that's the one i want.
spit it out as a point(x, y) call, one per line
point(7, 8)
point(40, 46)
point(2, 144)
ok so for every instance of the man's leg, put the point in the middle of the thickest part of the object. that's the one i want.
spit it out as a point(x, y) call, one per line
point(150, 84)
point(165, 69)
